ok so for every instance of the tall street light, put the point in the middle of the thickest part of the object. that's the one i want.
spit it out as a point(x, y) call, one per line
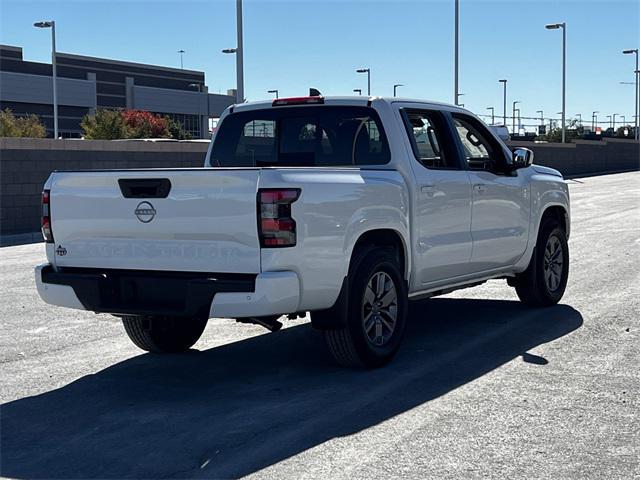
point(504, 114)
point(629, 52)
point(273, 91)
point(368, 72)
point(609, 117)
point(563, 26)
point(358, 91)
point(594, 120)
point(456, 47)
point(579, 115)
point(614, 121)
point(513, 128)
point(541, 116)
point(395, 87)
point(181, 53)
point(239, 54)
point(52, 25)
point(493, 116)
point(519, 121)
point(624, 120)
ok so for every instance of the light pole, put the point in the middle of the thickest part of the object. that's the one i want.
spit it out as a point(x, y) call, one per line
point(624, 120)
point(239, 55)
point(52, 24)
point(459, 95)
point(563, 26)
point(629, 52)
point(594, 120)
point(181, 53)
point(368, 72)
point(358, 91)
point(457, 50)
point(614, 121)
point(273, 91)
point(493, 116)
point(395, 88)
point(579, 115)
point(513, 118)
point(609, 117)
point(504, 114)
point(541, 116)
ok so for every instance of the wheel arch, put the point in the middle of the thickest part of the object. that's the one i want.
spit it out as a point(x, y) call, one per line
point(385, 237)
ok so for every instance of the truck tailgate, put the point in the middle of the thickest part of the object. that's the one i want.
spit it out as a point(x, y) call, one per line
point(199, 220)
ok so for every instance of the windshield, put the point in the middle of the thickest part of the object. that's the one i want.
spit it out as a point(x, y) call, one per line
point(301, 137)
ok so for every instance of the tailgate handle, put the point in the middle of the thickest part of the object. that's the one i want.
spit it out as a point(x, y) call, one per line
point(144, 187)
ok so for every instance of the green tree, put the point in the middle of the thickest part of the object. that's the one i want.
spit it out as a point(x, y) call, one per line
point(104, 125)
point(28, 126)
point(176, 131)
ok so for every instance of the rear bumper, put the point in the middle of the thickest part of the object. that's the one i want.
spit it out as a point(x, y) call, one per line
point(186, 294)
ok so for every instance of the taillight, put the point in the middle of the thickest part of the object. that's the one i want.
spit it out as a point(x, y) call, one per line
point(283, 102)
point(47, 233)
point(276, 228)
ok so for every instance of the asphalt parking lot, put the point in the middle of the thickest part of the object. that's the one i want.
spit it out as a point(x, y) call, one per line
point(482, 387)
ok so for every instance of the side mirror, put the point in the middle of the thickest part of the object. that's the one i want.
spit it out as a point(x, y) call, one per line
point(522, 158)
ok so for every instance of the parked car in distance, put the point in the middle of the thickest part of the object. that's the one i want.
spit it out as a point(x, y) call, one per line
point(344, 207)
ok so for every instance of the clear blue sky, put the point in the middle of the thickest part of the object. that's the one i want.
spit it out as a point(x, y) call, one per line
point(297, 44)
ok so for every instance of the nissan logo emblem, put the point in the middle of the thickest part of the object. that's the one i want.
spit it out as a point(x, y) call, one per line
point(145, 212)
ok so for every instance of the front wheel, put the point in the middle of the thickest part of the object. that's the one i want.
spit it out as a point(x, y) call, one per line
point(377, 309)
point(164, 334)
point(544, 281)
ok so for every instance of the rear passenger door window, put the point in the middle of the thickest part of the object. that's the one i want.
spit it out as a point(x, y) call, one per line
point(428, 133)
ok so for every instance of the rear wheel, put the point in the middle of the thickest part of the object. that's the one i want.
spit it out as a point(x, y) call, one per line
point(163, 334)
point(544, 281)
point(377, 308)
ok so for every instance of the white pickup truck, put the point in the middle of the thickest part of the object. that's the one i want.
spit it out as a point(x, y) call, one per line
point(344, 207)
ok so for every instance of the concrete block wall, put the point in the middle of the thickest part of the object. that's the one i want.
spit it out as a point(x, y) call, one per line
point(25, 164)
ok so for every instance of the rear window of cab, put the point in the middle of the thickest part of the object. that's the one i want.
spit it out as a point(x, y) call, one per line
point(310, 136)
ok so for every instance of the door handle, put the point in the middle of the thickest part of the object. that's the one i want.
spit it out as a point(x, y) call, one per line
point(479, 187)
point(427, 188)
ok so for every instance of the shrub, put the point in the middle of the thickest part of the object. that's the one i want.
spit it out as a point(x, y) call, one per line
point(28, 126)
point(104, 125)
point(143, 124)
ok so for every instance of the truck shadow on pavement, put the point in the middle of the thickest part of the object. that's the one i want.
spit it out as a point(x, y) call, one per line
point(235, 409)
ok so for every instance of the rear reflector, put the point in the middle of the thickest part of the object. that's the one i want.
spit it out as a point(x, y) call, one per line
point(47, 233)
point(276, 227)
point(281, 102)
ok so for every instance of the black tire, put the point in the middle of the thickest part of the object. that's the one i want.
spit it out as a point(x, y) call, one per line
point(541, 285)
point(164, 334)
point(352, 346)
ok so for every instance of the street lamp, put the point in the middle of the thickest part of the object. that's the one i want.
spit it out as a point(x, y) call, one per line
point(395, 88)
point(52, 24)
point(614, 121)
point(504, 114)
point(563, 26)
point(458, 97)
point(181, 53)
point(609, 117)
point(358, 91)
point(624, 120)
point(594, 120)
point(368, 72)
point(239, 54)
point(196, 85)
point(579, 115)
point(629, 52)
point(513, 118)
point(541, 116)
point(493, 116)
point(273, 91)
point(457, 51)
point(519, 121)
